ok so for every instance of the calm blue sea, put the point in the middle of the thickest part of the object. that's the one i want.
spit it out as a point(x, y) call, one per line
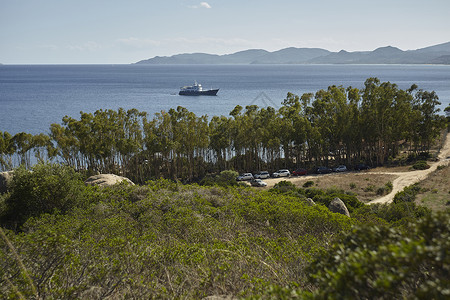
point(33, 97)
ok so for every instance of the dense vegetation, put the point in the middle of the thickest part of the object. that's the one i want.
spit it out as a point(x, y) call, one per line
point(61, 239)
point(168, 240)
point(335, 126)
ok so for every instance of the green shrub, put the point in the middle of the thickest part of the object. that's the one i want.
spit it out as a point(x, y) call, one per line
point(441, 167)
point(380, 262)
point(370, 188)
point(284, 186)
point(389, 186)
point(407, 195)
point(309, 183)
point(386, 189)
point(225, 178)
point(45, 189)
point(170, 242)
point(397, 214)
point(421, 165)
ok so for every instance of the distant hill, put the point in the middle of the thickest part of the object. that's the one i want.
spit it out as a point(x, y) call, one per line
point(437, 54)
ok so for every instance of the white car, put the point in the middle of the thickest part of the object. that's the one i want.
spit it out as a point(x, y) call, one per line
point(245, 176)
point(262, 175)
point(258, 182)
point(281, 173)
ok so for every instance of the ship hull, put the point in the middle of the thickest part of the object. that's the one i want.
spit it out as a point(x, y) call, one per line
point(199, 93)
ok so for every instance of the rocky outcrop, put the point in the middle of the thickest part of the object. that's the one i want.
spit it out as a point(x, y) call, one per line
point(5, 181)
point(310, 202)
point(106, 180)
point(338, 206)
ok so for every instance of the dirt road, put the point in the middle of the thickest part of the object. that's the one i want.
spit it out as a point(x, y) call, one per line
point(405, 179)
point(399, 182)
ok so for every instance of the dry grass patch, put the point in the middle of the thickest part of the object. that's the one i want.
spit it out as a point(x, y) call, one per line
point(364, 185)
point(391, 169)
point(435, 190)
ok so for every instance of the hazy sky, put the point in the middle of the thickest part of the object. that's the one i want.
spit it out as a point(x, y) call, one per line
point(116, 31)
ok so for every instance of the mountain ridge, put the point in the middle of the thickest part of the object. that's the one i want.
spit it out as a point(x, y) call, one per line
point(436, 54)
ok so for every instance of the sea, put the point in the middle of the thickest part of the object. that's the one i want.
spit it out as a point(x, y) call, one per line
point(32, 97)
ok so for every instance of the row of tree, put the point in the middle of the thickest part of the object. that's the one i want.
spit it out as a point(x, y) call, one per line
point(333, 126)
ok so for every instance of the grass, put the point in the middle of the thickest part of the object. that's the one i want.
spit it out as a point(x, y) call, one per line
point(435, 190)
point(363, 185)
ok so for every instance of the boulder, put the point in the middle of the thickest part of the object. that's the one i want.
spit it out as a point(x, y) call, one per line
point(106, 180)
point(310, 202)
point(5, 181)
point(338, 206)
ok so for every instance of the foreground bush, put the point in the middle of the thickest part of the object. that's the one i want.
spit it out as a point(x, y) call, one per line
point(44, 189)
point(166, 240)
point(386, 263)
point(170, 241)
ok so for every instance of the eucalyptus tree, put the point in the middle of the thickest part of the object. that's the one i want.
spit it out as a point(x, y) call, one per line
point(23, 144)
point(266, 125)
point(377, 117)
point(325, 118)
point(7, 150)
point(220, 141)
point(353, 135)
point(42, 147)
point(293, 127)
point(250, 130)
point(238, 138)
point(129, 139)
point(190, 140)
point(429, 124)
point(66, 143)
point(160, 143)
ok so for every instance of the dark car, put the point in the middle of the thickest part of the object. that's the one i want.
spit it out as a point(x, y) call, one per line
point(323, 170)
point(360, 167)
point(340, 168)
point(299, 172)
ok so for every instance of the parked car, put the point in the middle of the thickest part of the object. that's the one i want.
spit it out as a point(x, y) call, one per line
point(262, 175)
point(299, 172)
point(340, 168)
point(281, 173)
point(245, 176)
point(323, 170)
point(258, 183)
point(360, 167)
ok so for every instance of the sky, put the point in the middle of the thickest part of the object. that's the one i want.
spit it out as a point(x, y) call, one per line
point(126, 31)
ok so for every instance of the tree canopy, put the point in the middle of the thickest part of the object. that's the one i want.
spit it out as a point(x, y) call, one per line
point(336, 125)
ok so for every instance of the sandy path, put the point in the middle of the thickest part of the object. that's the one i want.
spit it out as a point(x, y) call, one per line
point(402, 180)
point(405, 179)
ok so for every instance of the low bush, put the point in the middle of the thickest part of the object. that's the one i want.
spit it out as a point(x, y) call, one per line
point(44, 189)
point(378, 262)
point(407, 195)
point(421, 165)
point(284, 186)
point(386, 189)
point(168, 241)
point(225, 178)
point(308, 183)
